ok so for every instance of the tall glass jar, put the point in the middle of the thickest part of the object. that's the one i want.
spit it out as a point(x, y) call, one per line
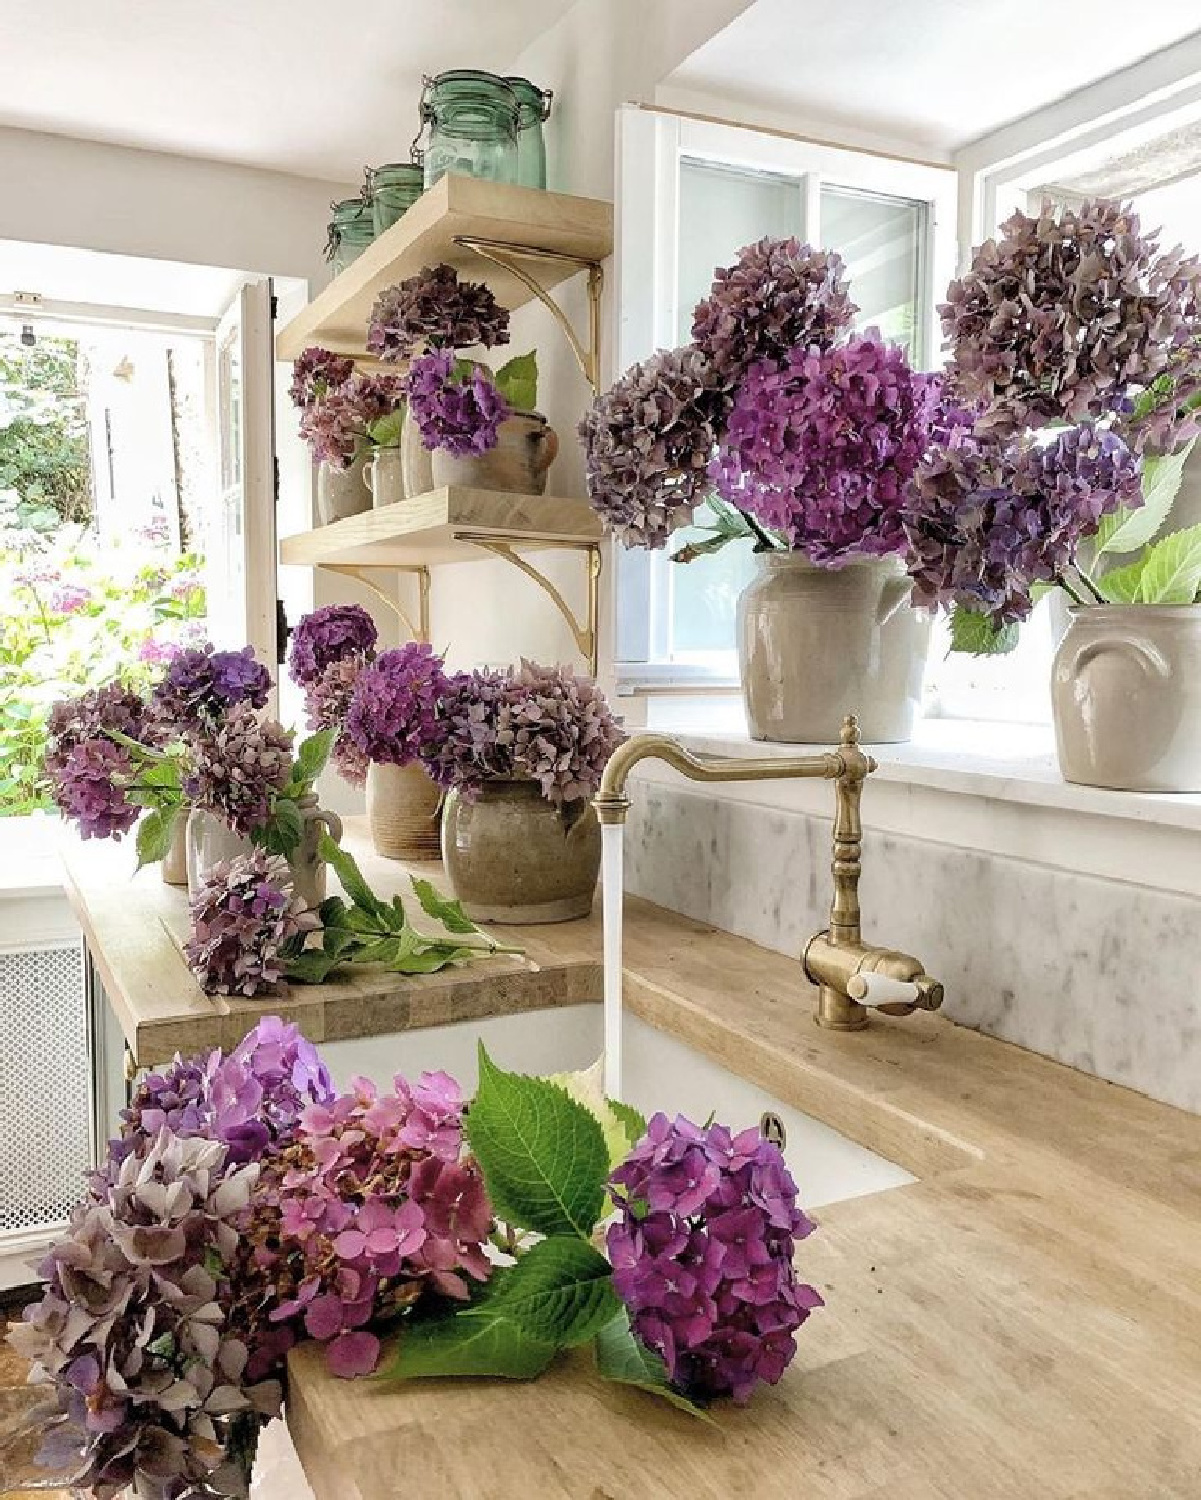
point(394, 189)
point(533, 108)
point(473, 126)
point(351, 230)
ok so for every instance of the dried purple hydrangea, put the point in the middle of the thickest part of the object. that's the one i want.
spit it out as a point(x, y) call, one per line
point(202, 684)
point(327, 635)
point(538, 723)
point(336, 427)
point(235, 768)
point(316, 373)
point(461, 416)
point(393, 711)
point(647, 445)
point(327, 706)
point(779, 295)
point(823, 447)
point(91, 789)
point(150, 1374)
point(435, 310)
point(1065, 313)
point(93, 715)
point(992, 516)
point(702, 1250)
point(243, 913)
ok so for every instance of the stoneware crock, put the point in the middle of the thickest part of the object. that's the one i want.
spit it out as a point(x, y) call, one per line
point(815, 644)
point(341, 492)
point(526, 448)
point(383, 474)
point(403, 807)
point(1126, 697)
point(210, 840)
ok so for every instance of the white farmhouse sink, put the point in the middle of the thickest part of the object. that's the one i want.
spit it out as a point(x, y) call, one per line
point(659, 1073)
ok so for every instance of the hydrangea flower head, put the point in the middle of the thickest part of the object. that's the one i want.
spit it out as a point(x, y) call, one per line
point(647, 444)
point(823, 446)
point(435, 310)
point(459, 415)
point(327, 706)
point(702, 1251)
point(88, 770)
point(316, 374)
point(336, 426)
point(393, 709)
point(328, 635)
point(779, 295)
point(202, 684)
point(235, 768)
point(243, 913)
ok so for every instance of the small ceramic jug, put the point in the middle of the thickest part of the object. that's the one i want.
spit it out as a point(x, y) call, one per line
point(383, 474)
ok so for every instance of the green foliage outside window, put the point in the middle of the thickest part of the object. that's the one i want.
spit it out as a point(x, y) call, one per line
point(45, 468)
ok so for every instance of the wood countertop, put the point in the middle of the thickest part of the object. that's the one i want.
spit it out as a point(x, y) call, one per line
point(1022, 1323)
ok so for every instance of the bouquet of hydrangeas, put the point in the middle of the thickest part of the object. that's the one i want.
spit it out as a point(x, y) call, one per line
point(342, 411)
point(247, 1205)
point(458, 404)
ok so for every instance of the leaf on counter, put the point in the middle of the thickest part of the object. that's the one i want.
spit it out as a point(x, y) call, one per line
point(477, 1341)
point(623, 1357)
point(442, 908)
point(346, 868)
point(560, 1291)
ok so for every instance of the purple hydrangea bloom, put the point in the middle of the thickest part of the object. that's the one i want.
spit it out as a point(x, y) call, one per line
point(1066, 312)
point(336, 426)
point(824, 445)
point(991, 516)
point(702, 1252)
point(243, 913)
point(327, 706)
point(93, 715)
point(393, 711)
point(647, 445)
point(316, 373)
point(778, 296)
point(202, 684)
point(461, 416)
point(236, 767)
point(91, 790)
point(435, 310)
point(327, 635)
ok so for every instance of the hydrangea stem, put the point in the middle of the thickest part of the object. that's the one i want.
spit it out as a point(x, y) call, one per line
point(1069, 590)
point(1084, 578)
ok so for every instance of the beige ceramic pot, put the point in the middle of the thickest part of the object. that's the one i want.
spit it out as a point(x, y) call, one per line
point(512, 857)
point(175, 861)
point(1126, 697)
point(525, 449)
point(383, 474)
point(342, 492)
point(403, 807)
point(815, 644)
point(209, 841)
point(416, 467)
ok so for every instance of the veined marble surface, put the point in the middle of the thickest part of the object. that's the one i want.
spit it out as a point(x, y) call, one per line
point(1098, 974)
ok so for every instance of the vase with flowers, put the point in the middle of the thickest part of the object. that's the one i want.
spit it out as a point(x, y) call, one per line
point(802, 439)
point(520, 754)
point(1082, 402)
point(349, 420)
point(471, 425)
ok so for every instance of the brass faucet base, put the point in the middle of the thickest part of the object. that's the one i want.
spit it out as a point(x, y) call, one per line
point(836, 1013)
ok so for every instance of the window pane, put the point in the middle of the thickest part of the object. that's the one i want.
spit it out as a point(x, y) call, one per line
point(881, 239)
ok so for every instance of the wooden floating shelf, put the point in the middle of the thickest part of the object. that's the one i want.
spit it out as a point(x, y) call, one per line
point(455, 206)
point(429, 529)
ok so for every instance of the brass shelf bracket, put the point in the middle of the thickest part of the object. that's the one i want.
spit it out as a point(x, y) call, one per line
point(419, 629)
point(586, 635)
point(509, 256)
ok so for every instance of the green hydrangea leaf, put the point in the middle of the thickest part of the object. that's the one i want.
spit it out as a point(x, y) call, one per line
point(312, 756)
point(517, 381)
point(386, 432)
point(154, 835)
point(311, 966)
point(587, 1087)
point(560, 1291)
point(543, 1155)
point(1172, 569)
point(350, 876)
point(632, 1120)
point(477, 1341)
point(1122, 585)
point(622, 1357)
point(442, 908)
point(284, 832)
point(976, 635)
point(1127, 530)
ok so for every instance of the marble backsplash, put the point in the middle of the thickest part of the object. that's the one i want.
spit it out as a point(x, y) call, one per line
point(1099, 974)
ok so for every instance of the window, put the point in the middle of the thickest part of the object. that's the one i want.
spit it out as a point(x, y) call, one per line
point(691, 195)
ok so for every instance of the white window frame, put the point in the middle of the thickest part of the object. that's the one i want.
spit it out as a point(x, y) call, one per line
point(651, 144)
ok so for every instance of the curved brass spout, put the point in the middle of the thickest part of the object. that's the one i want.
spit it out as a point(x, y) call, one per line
point(850, 976)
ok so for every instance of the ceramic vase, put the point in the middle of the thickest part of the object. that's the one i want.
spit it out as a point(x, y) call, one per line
point(1126, 697)
point(525, 449)
point(341, 492)
point(416, 467)
point(815, 644)
point(383, 474)
point(513, 857)
point(403, 807)
point(175, 861)
point(210, 840)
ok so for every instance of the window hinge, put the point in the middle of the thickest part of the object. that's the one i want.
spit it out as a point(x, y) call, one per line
point(274, 307)
point(275, 477)
point(282, 631)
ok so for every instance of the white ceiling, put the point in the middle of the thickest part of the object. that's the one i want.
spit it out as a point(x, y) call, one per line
point(313, 87)
point(934, 74)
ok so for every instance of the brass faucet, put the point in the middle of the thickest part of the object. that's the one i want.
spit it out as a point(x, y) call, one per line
point(850, 976)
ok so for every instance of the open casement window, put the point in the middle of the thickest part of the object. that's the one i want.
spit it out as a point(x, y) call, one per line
point(241, 553)
point(691, 194)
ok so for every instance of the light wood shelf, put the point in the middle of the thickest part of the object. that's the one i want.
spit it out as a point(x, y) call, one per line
point(435, 528)
point(553, 224)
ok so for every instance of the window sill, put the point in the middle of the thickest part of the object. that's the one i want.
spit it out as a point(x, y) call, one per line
point(995, 788)
point(30, 863)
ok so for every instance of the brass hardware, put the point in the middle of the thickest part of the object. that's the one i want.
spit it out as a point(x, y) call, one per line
point(851, 977)
point(131, 1068)
point(506, 255)
point(587, 635)
point(771, 1128)
point(420, 631)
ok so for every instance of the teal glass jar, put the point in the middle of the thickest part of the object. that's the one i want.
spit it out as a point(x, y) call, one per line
point(351, 230)
point(394, 189)
point(472, 118)
point(533, 110)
